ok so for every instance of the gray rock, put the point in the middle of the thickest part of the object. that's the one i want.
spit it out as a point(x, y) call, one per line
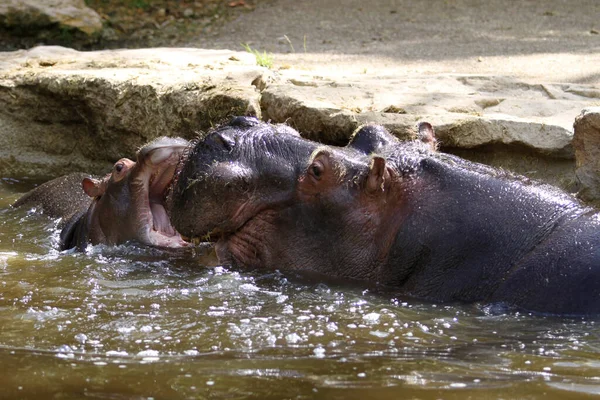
point(467, 111)
point(40, 14)
point(316, 119)
point(66, 111)
point(587, 152)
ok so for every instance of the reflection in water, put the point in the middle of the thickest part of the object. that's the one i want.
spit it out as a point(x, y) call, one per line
point(130, 322)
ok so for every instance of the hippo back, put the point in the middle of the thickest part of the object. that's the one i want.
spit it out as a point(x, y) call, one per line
point(62, 197)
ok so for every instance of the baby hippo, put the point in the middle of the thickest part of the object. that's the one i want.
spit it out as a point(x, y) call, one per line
point(128, 204)
point(61, 197)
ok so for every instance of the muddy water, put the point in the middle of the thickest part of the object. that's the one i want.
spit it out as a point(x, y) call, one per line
point(137, 323)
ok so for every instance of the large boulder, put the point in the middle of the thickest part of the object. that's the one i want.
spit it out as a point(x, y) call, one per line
point(35, 14)
point(587, 153)
point(468, 111)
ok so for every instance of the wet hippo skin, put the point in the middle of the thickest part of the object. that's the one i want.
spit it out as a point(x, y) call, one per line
point(128, 203)
point(62, 197)
point(125, 205)
point(399, 214)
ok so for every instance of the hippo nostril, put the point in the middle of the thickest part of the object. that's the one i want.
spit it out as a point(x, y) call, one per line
point(228, 142)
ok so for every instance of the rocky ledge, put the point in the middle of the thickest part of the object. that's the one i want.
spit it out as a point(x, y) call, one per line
point(66, 110)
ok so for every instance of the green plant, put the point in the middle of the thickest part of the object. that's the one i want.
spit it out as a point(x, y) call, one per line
point(144, 4)
point(263, 59)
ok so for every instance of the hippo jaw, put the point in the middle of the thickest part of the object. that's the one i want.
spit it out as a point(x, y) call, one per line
point(249, 243)
point(158, 162)
point(157, 229)
point(242, 234)
point(129, 203)
point(232, 185)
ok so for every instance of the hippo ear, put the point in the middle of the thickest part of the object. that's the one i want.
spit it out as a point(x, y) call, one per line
point(427, 135)
point(378, 175)
point(93, 187)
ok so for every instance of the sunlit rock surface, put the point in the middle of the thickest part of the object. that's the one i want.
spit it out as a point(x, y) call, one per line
point(468, 111)
point(66, 110)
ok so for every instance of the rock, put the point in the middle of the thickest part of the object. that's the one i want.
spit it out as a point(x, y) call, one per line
point(467, 111)
point(65, 110)
point(472, 132)
point(586, 142)
point(25, 14)
point(109, 34)
point(316, 119)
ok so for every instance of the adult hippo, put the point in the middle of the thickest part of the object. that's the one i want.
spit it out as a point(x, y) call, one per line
point(126, 205)
point(432, 225)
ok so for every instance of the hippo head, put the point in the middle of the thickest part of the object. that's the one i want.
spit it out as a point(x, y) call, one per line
point(128, 204)
point(270, 198)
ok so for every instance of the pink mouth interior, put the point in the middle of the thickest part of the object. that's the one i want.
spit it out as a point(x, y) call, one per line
point(162, 232)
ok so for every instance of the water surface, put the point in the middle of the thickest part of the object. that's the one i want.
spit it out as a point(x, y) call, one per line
point(135, 323)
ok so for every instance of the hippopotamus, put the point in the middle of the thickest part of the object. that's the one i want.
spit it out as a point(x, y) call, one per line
point(398, 214)
point(62, 197)
point(125, 205)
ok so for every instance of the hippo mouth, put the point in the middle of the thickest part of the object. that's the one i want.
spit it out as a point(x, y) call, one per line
point(208, 203)
point(244, 238)
point(157, 180)
point(160, 230)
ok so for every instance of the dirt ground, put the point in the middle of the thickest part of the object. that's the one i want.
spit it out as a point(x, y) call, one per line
point(159, 23)
point(550, 40)
point(139, 24)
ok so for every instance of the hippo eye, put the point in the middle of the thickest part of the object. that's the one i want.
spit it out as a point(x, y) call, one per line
point(119, 167)
point(316, 169)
